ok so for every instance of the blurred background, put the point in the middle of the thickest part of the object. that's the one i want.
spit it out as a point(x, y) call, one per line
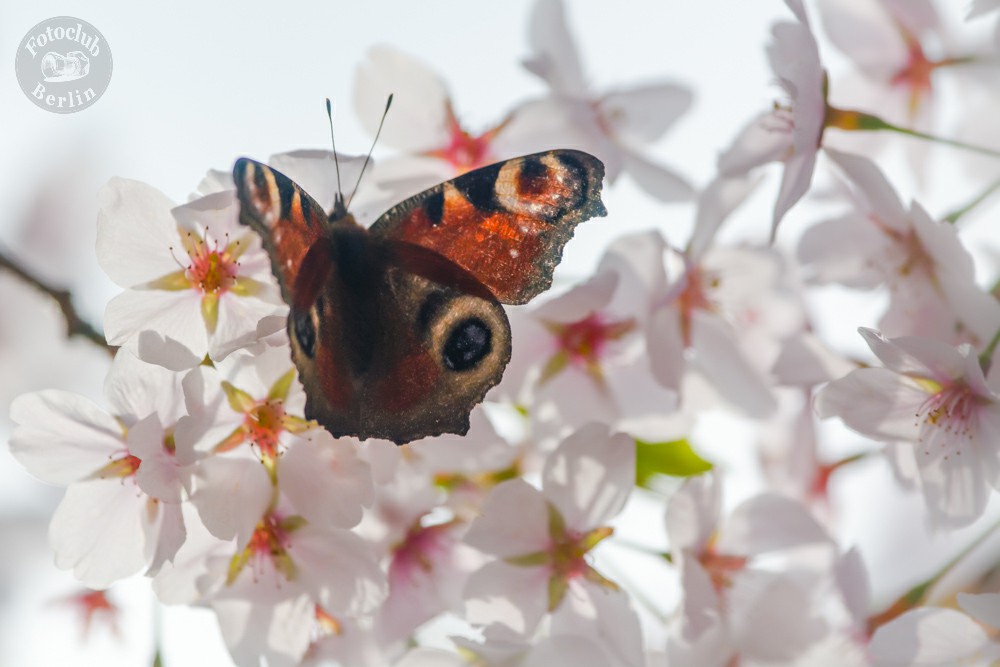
point(196, 85)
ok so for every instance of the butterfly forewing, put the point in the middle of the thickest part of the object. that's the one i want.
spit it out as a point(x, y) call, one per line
point(507, 223)
point(288, 220)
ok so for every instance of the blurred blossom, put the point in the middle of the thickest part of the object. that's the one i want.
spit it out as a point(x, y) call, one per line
point(928, 272)
point(901, 52)
point(724, 311)
point(93, 606)
point(791, 132)
point(422, 125)
point(614, 125)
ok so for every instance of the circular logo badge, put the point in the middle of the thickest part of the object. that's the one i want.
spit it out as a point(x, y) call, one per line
point(63, 64)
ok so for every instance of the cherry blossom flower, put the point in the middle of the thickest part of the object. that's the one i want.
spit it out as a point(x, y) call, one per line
point(427, 563)
point(929, 273)
point(935, 397)
point(766, 617)
point(541, 538)
point(244, 418)
point(197, 282)
point(763, 524)
point(584, 351)
point(613, 125)
point(275, 594)
point(790, 133)
point(124, 471)
point(731, 606)
point(935, 637)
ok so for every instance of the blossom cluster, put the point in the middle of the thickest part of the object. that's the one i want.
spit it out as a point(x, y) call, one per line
point(505, 547)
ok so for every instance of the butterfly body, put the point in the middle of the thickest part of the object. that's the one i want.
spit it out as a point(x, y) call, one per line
point(398, 330)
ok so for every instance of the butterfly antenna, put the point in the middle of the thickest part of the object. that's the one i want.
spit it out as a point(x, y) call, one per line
point(336, 160)
point(388, 103)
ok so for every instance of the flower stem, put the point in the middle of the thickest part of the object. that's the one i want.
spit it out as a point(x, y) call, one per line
point(157, 634)
point(639, 548)
point(976, 201)
point(986, 356)
point(853, 121)
point(75, 325)
point(917, 595)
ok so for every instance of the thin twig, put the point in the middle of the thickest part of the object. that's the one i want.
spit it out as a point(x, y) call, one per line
point(75, 325)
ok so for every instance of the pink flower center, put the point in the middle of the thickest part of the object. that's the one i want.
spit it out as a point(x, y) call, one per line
point(721, 567)
point(212, 269)
point(464, 151)
point(567, 555)
point(946, 419)
point(268, 547)
point(268, 538)
point(695, 296)
point(584, 340)
point(93, 604)
point(915, 76)
point(264, 425)
point(418, 549)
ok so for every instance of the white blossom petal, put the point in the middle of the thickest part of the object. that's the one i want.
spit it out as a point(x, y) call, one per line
point(516, 597)
point(97, 531)
point(418, 121)
point(231, 496)
point(769, 522)
point(62, 437)
point(927, 636)
point(340, 567)
point(590, 476)
point(325, 480)
point(514, 521)
point(135, 231)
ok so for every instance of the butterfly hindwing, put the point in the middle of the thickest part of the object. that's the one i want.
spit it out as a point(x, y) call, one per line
point(441, 349)
point(506, 224)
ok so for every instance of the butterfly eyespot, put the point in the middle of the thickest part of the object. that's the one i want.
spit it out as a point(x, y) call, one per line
point(305, 331)
point(469, 342)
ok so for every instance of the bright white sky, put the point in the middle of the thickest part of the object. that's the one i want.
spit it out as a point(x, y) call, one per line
point(197, 84)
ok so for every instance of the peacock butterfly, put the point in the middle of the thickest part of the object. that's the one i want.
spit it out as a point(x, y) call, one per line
point(397, 330)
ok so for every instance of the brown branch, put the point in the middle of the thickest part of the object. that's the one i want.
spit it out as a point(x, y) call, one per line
point(75, 325)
